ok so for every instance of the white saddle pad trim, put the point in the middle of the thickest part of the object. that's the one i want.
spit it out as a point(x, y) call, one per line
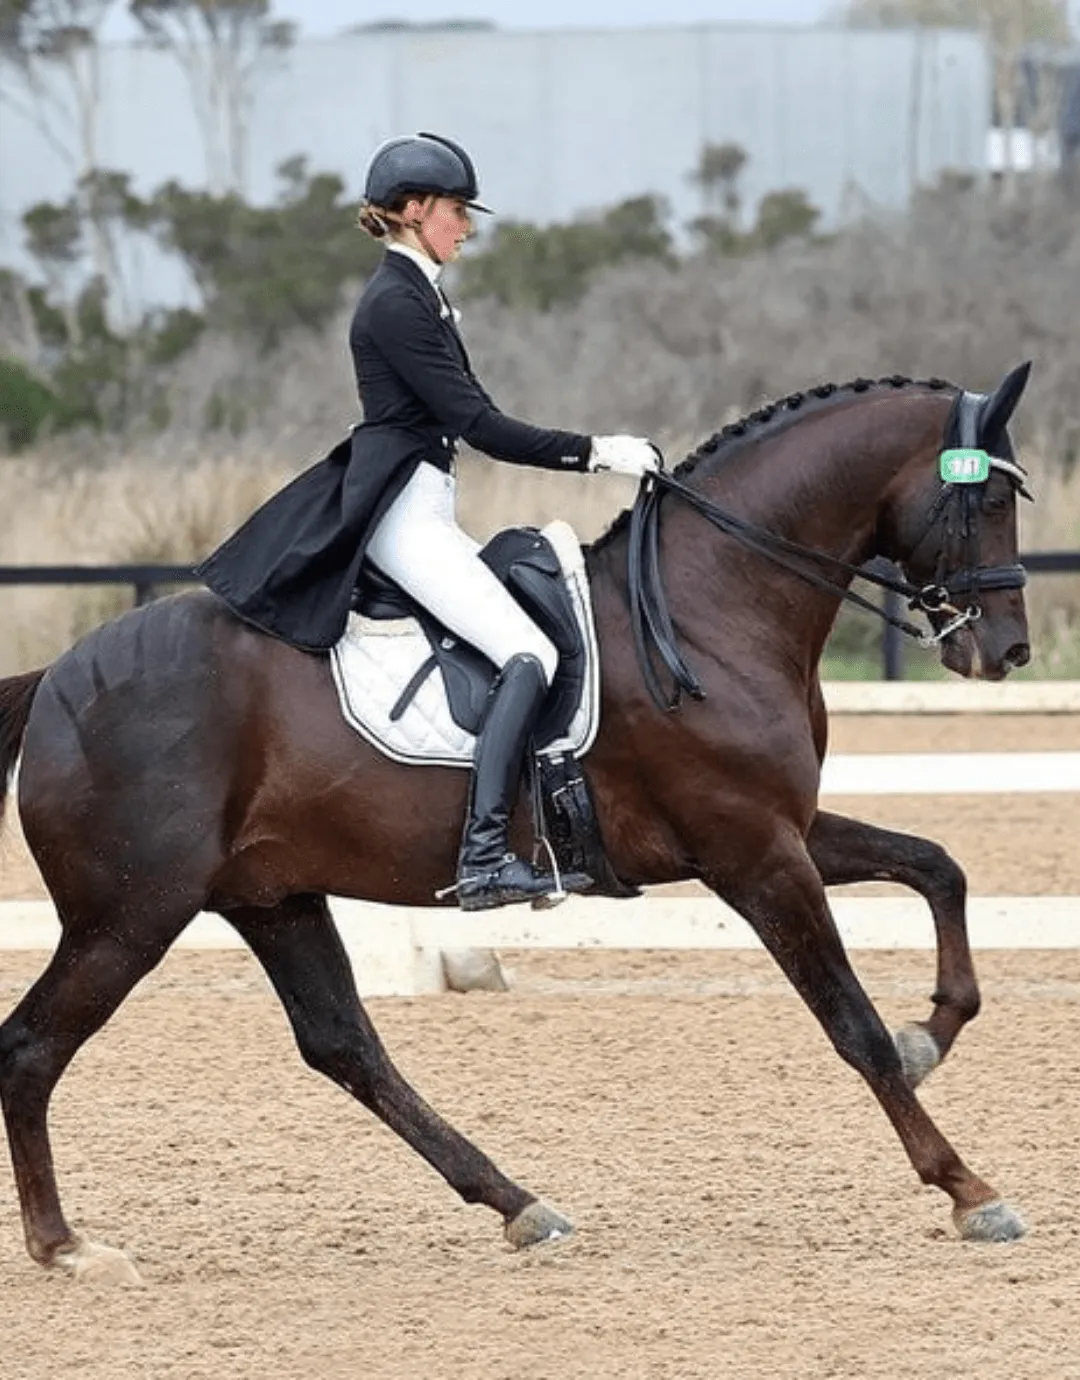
point(376, 658)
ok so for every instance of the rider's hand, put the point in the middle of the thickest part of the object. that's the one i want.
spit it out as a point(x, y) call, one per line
point(632, 455)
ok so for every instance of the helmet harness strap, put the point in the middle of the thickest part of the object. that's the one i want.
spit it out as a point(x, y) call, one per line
point(416, 226)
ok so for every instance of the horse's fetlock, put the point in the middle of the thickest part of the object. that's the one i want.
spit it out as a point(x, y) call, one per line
point(966, 1004)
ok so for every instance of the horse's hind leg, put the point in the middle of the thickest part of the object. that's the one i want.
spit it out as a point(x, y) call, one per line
point(847, 850)
point(298, 945)
point(92, 971)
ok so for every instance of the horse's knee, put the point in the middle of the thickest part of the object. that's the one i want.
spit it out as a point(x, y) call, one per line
point(22, 1061)
point(13, 1044)
point(865, 1044)
point(343, 1054)
point(945, 879)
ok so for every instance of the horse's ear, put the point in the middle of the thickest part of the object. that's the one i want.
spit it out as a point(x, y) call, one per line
point(1000, 406)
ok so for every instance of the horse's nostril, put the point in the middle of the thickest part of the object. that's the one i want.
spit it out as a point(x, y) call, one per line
point(1019, 654)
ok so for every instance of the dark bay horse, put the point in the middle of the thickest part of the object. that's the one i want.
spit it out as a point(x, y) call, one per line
point(175, 760)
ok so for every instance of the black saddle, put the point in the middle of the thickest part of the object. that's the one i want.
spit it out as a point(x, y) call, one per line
point(526, 563)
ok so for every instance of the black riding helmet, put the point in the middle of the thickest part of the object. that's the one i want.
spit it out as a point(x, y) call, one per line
point(423, 163)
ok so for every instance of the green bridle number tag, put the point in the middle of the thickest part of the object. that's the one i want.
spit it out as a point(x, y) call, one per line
point(965, 466)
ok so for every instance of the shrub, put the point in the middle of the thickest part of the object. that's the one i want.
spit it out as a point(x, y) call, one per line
point(538, 267)
point(27, 406)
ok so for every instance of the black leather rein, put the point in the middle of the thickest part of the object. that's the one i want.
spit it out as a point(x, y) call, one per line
point(650, 617)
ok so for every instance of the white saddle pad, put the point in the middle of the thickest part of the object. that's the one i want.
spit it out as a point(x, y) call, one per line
point(376, 658)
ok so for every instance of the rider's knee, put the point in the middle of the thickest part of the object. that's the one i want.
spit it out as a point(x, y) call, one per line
point(543, 649)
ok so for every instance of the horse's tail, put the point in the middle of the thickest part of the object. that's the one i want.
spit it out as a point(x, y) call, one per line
point(16, 696)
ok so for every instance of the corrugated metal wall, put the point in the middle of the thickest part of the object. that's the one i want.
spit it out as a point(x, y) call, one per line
point(561, 121)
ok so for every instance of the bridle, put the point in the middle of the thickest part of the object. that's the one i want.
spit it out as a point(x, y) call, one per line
point(955, 508)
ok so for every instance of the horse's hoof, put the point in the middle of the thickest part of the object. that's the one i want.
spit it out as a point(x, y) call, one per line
point(536, 1224)
point(90, 1263)
point(994, 1221)
point(918, 1051)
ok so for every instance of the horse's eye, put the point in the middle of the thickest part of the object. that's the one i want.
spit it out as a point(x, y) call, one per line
point(995, 503)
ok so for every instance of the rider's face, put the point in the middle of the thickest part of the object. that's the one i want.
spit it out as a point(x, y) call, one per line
point(446, 225)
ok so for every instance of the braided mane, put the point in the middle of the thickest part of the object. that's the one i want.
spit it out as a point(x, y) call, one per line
point(792, 403)
point(779, 411)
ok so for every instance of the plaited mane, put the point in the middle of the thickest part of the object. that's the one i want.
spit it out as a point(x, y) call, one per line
point(777, 415)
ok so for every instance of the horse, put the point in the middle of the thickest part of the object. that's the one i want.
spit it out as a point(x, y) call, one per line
point(176, 760)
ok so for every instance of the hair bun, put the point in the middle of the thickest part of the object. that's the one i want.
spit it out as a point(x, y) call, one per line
point(372, 219)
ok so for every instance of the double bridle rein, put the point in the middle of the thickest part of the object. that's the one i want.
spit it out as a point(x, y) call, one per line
point(650, 617)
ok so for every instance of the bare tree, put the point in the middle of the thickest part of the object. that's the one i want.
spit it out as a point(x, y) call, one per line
point(220, 44)
point(40, 41)
point(51, 51)
point(20, 337)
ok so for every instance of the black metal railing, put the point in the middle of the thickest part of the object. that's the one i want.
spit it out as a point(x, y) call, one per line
point(147, 580)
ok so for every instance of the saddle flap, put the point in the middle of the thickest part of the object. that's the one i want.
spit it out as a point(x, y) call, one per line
point(528, 564)
point(385, 667)
point(467, 673)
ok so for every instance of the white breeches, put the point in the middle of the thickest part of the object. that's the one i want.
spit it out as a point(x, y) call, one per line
point(420, 546)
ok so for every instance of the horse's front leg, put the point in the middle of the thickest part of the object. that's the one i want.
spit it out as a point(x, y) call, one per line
point(847, 850)
point(298, 945)
point(783, 898)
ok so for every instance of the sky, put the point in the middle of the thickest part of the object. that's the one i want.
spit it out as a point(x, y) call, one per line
point(316, 17)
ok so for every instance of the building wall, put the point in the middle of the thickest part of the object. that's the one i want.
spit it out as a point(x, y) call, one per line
point(559, 121)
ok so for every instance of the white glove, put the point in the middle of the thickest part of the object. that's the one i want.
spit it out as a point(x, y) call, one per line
point(632, 455)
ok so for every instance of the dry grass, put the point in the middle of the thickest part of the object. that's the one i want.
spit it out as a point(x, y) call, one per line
point(126, 512)
point(135, 510)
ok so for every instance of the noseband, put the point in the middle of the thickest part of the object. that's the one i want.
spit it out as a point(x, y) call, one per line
point(955, 508)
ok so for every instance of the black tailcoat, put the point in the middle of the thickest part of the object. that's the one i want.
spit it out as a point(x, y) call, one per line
point(292, 567)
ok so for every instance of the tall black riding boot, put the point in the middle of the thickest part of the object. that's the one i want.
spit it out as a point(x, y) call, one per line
point(488, 873)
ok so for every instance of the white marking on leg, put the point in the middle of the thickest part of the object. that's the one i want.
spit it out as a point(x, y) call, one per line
point(918, 1051)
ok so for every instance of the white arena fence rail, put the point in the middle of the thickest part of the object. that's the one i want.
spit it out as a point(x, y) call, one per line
point(403, 951)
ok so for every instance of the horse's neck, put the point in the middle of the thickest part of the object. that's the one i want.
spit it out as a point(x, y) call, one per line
point(823, 483)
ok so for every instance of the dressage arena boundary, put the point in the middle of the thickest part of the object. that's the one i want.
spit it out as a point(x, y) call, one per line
point(952, 697)
point(402, 951)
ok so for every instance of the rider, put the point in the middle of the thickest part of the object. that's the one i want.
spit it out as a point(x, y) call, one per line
point(419, 396)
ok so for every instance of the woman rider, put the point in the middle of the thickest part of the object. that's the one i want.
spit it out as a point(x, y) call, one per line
point(387, 495)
